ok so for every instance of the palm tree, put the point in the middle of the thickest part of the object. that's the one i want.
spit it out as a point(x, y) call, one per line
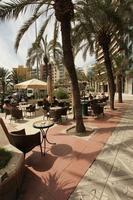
point(99, 76)
point(16, 77)
point(120, 69)
point(45, 53)
point(5, 82)
point(98, 24)
point(64, 12)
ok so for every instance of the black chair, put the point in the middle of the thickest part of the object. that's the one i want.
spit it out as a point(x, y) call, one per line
point(55, 115)
point(23, 142)
point(64, 112)
point(20, 140)
point(16, 114)
point(97, 109)
point(31, 109)
point(40, 104)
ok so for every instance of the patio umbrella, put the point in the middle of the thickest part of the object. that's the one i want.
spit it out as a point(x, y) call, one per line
point(33, 83)
point(49, 88)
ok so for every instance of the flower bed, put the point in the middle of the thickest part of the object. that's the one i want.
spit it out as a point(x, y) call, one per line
point(5, 156)
point(11, 175)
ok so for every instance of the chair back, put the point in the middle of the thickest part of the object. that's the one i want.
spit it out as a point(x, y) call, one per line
point(23, 142)
point(40, 103)
point(5, 137)
point(31, 109)
point(64, 111)
point(19, 139)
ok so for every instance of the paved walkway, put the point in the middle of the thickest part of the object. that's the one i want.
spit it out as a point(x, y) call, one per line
point(100, 166)
point(111, 175)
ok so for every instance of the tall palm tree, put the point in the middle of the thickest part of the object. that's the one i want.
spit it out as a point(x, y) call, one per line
point(5, 82)
point(45, 52)
point(98, 24)
point(39, 52)
point(120, 69)
point(64, 12)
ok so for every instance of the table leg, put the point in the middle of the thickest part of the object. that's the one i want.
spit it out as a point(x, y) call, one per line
point(44, 143)
point(47, 138)
point(44, 139)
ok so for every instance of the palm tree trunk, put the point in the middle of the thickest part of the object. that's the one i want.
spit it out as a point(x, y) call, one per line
point(69, 63)
point(119, 88)
point(110, 76)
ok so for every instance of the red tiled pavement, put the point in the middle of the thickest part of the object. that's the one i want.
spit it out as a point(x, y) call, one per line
point(55, 176)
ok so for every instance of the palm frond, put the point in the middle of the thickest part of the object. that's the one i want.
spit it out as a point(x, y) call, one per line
point(24, 28)
point(13, 8)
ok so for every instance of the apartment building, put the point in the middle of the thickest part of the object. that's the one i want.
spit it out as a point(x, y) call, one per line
point(23, 72)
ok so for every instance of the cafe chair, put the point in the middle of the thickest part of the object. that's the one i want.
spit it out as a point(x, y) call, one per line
point(64, 113)
point(97, 110)
point(31, 109)
point(40, 104)
point(23, 142)
point(55, 115)
point(16, 114)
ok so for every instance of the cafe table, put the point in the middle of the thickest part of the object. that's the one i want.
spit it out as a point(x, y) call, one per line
point(43, 126)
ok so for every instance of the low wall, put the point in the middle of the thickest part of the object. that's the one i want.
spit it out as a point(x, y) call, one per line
point(11, 176)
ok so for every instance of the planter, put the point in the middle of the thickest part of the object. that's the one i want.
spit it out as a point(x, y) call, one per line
point(11, 176)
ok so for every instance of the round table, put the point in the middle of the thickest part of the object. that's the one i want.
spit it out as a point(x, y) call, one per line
point(44, 126)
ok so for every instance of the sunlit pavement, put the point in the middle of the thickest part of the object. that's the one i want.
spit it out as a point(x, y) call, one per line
point(95, 167)
point(111, 175)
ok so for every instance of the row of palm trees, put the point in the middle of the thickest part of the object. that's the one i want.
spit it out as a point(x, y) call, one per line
point(95, 25)
point(7, 80)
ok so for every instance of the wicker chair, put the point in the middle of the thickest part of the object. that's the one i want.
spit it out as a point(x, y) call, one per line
point(20, 140)
point(25, 143)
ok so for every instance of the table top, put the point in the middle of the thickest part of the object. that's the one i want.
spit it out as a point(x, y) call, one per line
point(43, 124)
point(56, 108)
point(24, 106)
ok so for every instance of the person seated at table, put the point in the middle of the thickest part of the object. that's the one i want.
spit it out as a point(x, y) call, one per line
point(7, 105)
point(103, 97)
point(46, 104)
point(90, 97)
point(55, 101)
point(16, 112)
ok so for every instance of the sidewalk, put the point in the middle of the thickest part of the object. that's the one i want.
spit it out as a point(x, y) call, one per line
point(111, 175)
point(99, 166)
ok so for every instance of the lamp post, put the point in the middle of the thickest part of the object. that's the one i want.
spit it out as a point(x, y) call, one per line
point(37, 67)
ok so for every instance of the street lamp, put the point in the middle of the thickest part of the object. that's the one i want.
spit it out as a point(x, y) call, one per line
point(37, 50)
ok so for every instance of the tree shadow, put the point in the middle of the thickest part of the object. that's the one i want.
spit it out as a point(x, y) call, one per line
point(45, 187)
point(61, 149)
point(40, 162)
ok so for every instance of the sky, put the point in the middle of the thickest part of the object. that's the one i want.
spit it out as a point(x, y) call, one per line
point(8, 56)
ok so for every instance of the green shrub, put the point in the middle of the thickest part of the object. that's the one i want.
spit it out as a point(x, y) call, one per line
point(61, 93)
point(5, 156)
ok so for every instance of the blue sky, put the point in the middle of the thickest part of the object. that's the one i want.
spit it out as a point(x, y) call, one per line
point(8, 56)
